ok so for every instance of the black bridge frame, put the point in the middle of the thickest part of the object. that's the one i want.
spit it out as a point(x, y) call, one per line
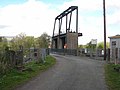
point(66, 13)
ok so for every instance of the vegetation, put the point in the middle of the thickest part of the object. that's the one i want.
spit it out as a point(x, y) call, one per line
point(3, 44)
point(43, 41)
point(91, 46)
point(29, 41)
point(13, 45)
point(4, 61)
point(14, 77)
point(81, 46)
point(10, 75)
point(101, 45)
point(112, 77)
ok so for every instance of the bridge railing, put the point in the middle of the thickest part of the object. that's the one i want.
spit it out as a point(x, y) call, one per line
point(65, 51)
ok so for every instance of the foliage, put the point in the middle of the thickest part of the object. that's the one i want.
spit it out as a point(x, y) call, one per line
point(90, 46)
point(15, 77)
point(20, 40)
point(107, 45)
point(112, 77)
point(3, 44)
point(29, 41)
point(43, 41)
point(5, 61)
point(17, 41)
point(81, 46)
point(101, 45)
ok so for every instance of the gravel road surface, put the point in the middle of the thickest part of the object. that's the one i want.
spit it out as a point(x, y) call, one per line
point(70, 73)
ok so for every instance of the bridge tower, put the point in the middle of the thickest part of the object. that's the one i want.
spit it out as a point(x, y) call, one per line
point(68, 38)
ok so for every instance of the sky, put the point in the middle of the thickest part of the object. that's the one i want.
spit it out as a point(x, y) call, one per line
point(34, 17)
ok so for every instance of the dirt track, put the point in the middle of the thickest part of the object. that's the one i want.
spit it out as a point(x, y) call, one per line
point(70, 73)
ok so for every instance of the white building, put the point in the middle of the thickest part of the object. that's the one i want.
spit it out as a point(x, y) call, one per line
point(115, 47)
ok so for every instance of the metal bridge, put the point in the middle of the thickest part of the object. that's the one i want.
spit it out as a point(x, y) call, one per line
point(67, 41)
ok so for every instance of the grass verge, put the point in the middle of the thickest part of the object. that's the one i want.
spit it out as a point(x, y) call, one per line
point(15, 77)
point(112, 77)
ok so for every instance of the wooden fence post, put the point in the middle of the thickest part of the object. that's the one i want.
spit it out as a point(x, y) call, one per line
point(116, 55)
point(108, 54)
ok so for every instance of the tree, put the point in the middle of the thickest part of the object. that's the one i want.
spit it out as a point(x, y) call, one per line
point(88, 45)
point(17, 41)
point(29, 42)
point(43, 41)
point(101, 45)
point(81, 46)
point(3, 44)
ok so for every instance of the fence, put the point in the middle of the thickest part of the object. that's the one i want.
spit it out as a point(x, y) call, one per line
point(115, 55)
point(65, 51)
point(35, 54)
point(97, 53)
point(10, 58)
point(80, 52)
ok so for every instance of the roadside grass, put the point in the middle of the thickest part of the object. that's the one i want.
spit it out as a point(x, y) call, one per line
point(14, 78)
point(112, 77)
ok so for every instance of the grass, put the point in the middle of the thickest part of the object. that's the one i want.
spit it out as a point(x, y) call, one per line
point(15, 77)
point(112, 77)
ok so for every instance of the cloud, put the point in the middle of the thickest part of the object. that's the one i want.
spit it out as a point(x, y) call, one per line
point(32, 17)
point(89, 25)
point(35, 17)
point(91, 18)
point(113, 3)
point(83, 4)
point(3, 26)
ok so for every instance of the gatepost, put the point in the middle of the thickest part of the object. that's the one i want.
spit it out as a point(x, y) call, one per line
point(43, 54)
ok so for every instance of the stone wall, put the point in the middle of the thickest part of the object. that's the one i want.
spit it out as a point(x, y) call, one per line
point(72, 40)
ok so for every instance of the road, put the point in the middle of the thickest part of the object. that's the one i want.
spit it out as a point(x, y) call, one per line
point(70, 73)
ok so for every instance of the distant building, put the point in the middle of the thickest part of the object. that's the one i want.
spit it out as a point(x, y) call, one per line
point(115, 47)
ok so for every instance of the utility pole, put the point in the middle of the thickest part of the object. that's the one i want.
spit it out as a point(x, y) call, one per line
point(104, 14)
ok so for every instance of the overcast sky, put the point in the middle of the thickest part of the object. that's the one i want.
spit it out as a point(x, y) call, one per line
point(33, 17)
